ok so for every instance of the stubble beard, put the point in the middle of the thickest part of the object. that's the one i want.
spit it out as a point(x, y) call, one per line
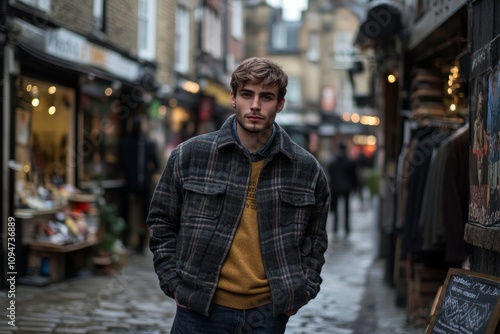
point(251, 128)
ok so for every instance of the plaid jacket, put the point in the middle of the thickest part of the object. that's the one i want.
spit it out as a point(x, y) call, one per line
point(197, 205)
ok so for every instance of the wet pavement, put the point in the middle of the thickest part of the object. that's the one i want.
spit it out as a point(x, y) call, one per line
point(353, 298)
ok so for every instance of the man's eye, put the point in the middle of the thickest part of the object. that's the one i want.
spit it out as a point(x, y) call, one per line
point(267, 98)
point(245, 94)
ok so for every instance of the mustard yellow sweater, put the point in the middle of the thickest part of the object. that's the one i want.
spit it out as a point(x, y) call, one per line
point(243, 283)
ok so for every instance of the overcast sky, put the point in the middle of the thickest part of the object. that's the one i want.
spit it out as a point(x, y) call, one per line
point(292, 8)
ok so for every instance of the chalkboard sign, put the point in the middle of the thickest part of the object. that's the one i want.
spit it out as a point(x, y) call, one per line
point(469, 303)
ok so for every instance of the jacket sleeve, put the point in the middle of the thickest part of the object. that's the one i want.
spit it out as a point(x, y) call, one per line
point(316, 241)
point(163, 224)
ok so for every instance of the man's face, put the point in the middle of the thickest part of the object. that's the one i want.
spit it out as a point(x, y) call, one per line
point(256, 107)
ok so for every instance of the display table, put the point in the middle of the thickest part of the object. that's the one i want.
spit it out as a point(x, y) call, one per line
point(59, 255)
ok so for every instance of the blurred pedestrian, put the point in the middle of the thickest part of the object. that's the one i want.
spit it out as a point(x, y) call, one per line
point(237, 220)
point(343, 180)
point(138, 160)
point(362, 169)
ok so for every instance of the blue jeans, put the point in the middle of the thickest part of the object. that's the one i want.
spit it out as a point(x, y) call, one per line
point(225, 320)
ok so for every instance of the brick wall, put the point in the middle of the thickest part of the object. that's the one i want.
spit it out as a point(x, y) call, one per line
point(121, 21)
point(165, 41)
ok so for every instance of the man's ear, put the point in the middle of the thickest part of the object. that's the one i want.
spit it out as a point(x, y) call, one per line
point(232, 99)
point(280, 106)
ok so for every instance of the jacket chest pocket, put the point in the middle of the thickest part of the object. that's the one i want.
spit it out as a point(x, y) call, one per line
point(295, 207)
point(203, 200)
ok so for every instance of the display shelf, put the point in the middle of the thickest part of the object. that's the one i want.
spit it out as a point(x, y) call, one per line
point(49, 247)
point(33, 213)
point(58, 256)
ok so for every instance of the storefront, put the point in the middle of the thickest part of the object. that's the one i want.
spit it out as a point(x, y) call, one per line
point(427, 195)
point(423, 98)
point(180, 119)
point(67, 103)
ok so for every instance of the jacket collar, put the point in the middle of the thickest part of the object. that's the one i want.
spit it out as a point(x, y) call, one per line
point(281, 143)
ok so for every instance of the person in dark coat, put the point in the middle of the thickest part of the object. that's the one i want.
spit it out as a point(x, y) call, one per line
point(138, 160)
point(343, 179)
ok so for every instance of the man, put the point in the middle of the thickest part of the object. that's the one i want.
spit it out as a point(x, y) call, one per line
point(343, 179)
point(237, 220)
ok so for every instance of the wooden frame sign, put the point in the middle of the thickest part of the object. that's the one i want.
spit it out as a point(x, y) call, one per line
point(469, 303)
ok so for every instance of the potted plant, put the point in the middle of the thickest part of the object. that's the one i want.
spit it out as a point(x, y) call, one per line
point(111, 253)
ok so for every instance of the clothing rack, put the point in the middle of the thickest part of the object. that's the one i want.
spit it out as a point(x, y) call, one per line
point(418, 274)
point(409, 124)
point(450, 123)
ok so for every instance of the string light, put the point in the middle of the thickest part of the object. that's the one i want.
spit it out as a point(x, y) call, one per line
point(355, 118)
point(454, 90)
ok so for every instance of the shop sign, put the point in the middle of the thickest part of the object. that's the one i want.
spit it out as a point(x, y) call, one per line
point(64, 44)
point(436, 13)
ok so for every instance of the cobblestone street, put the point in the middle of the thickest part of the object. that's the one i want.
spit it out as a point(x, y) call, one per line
point(131, 301)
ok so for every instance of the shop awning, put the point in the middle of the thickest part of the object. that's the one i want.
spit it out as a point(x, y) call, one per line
point(76, 54)
point(383, 20)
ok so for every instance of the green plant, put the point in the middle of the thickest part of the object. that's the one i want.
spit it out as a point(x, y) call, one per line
point(112, 226)
point(372, 182)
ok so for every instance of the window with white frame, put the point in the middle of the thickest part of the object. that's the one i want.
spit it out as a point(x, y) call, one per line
point(212, 33)
point(294, 92)
point(313, 47)
point(237, 19)
point(98, 15)
point(279, 36)
point(182, 38)
point(344, 50)
point(147, 29)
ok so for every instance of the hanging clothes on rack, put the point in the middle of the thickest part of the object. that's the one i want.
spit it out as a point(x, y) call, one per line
point(428, 139)
point(456, 203)
point(444, 214)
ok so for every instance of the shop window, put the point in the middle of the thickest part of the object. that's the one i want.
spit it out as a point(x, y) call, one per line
point(44, 114)
point(102, 114)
